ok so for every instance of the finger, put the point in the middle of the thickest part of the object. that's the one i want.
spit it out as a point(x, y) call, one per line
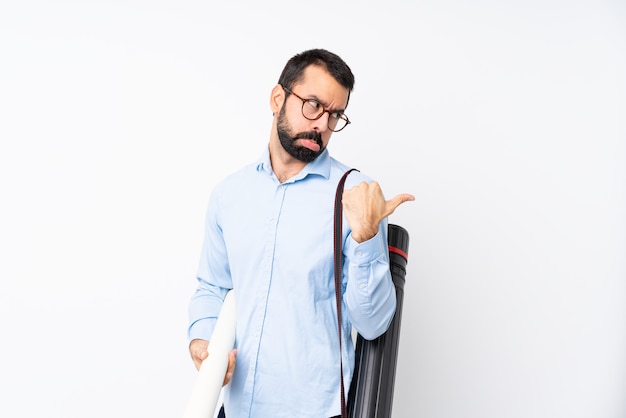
point(199, 354)
point(197, 361)
point(391, 205)
point(198, 351)
point(232, 360)
point(199, 357)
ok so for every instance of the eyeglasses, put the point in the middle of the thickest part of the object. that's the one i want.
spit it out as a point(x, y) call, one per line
point(313, 110)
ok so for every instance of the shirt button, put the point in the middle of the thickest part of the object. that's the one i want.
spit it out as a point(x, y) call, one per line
point(359, 253)
point(362, 286)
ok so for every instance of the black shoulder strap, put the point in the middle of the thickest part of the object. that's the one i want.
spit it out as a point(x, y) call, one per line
point(338, 273)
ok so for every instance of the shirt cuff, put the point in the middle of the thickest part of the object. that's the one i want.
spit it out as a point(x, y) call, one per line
point(202, 329)
point(365, 252)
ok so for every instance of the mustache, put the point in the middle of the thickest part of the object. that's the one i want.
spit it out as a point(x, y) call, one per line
point(316, 136)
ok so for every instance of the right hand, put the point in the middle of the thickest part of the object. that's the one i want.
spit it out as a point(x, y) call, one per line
point(365, 207)
point(199, 352)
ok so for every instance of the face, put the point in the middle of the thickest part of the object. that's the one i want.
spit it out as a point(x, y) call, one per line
point(303, 146)
point(305, 139)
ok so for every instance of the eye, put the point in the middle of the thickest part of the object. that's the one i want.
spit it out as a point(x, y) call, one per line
point(313, 104)
point(337, 115)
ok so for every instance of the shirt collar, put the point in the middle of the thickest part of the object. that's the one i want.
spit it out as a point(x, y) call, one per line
point(320, 166)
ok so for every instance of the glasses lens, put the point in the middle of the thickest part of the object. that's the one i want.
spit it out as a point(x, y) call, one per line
point(311, 109)
point(337, 123)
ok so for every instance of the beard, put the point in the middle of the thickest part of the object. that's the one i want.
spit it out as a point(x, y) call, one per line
point(288, 140)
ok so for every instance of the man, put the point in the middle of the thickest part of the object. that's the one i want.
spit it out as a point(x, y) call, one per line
point(269, 236)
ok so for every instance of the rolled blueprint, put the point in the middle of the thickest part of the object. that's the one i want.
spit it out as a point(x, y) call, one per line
point(371, 391)
point(208, 385)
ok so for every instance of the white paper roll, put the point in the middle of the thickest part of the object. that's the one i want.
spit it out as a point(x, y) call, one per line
point(208, 385)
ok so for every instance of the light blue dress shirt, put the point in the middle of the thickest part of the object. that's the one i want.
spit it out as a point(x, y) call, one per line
point(273, 244)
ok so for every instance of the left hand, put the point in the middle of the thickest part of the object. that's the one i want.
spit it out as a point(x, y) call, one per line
point(365, 206)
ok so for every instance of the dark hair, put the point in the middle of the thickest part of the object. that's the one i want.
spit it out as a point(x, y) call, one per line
point(336, 67)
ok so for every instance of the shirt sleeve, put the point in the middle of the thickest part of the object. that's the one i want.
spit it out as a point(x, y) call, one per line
point(370, 295)
point(214, 279)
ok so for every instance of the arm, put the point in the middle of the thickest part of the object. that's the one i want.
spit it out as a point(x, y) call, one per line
point(214, 278)
point(370, 293)
point(213, 284)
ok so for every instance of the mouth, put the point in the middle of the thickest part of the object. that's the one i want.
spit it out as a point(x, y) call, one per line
point(309, 143)
point(310, 140)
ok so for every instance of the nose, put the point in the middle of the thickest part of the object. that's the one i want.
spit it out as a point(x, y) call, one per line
point(321, 124)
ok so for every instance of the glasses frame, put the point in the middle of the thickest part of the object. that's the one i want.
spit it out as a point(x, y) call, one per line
point(324, 110)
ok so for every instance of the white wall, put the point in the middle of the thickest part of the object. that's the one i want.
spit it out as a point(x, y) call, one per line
point(505, 119)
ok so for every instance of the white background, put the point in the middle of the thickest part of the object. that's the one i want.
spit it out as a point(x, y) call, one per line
point(506, 119)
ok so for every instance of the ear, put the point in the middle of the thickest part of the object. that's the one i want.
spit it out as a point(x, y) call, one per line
point(277, 98)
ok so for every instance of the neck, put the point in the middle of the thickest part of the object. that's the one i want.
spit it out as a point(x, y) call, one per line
point(284, 165)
